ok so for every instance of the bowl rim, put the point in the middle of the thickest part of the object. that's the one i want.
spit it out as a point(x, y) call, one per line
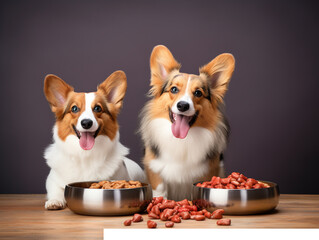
point(69, 185)
point(272, 185)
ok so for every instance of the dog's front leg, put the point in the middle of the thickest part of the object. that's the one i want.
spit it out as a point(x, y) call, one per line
point(160, 190)
point(158, 186)
point(55, 193)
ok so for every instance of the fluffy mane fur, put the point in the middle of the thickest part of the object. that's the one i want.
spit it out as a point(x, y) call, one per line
point(183, 126)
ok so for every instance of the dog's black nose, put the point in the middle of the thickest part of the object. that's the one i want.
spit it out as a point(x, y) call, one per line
point(86, 123)
point(182, 106)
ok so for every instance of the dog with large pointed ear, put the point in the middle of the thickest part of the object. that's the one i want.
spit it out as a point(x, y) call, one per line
point(86, 143)
point(70, 108)
point(218, 73)
point(182, 126)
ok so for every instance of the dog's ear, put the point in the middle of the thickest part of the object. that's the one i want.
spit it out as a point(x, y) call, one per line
point(56, 91)
point(114, 89)
point(218, 72)
point(162, 63)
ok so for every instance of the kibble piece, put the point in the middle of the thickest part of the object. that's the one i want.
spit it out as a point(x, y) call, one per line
point(223, 222)
point(128, 222)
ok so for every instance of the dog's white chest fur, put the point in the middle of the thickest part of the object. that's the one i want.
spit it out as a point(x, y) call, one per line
point(73, 163)
point(70, 163)
point(181, 161)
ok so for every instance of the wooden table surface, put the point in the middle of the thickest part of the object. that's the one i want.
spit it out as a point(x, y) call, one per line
point(23, 216)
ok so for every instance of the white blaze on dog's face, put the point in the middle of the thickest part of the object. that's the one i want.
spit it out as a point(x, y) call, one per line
point(188, 100)
point(86, 115)
point(183, 110)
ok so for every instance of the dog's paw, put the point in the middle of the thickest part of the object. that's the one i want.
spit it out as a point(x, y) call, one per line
point(54, 204)
point(160, 191)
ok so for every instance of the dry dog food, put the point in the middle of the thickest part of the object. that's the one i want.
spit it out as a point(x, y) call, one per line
point(151, 224)
point(128, 222)
point(169, 224)
point(235, 180)
point(198, 217)
point(174, 211)
point(224, 222)
point(137, 218)
point(217, 214)
point(116, 184)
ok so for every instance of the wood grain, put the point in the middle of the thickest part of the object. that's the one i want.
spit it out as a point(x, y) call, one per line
point(24, 217)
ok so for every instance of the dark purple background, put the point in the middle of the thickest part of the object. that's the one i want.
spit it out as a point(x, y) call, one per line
point(272, 103)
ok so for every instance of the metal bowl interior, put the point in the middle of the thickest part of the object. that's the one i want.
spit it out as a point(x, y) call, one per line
point(106, 202)
point(237, 201)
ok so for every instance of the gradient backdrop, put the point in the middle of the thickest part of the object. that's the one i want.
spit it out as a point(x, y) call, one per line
point(272, 103)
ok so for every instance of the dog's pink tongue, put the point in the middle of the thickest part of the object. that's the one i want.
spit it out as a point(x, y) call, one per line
point(87, 140)
point(181, 126)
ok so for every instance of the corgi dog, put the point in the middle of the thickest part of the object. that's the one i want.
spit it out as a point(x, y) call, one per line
point(86, 143)
point(183, 128)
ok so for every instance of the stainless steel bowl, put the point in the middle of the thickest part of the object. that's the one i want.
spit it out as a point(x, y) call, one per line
point(83, 200)
point(237, 201)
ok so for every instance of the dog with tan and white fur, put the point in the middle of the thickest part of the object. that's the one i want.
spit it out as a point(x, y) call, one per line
point(182, 127)
point(86, 144)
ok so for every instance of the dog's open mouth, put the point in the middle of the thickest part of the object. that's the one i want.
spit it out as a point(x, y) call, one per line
point(87, 139)
point(181, 123)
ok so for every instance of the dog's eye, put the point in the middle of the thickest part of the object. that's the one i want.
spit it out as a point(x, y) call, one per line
point(198, 93)
point(97, 108)
point(75, 109)
point(174, 90)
